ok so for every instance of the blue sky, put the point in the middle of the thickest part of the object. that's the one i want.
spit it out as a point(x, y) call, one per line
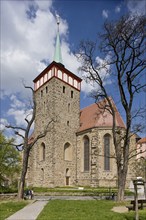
point(28, 33)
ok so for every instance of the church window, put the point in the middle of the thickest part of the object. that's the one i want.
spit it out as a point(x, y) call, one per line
point(42, 151)
point(67, 152)
point(46, 89)
point(63, 89)
point(107, 152)
point(72, 94)
point(41, 93)
point(86, 153)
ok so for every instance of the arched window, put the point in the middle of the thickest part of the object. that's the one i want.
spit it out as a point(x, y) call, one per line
point(42, 151)
point(67, 152)
point(107, 152)
point(86, 153)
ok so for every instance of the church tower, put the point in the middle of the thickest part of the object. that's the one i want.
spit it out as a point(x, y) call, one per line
point(57, 92)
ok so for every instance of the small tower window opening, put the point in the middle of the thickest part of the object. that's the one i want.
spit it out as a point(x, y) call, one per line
point(72, 94)
point(46, 89)
point(41, 93)
point(63, 89)
point(42, 151)
point(67, 123)
point(68, 107)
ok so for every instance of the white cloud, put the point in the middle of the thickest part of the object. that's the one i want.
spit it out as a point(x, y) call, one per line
point(43, 5)
point(105, 13)
point(3, 123)
point(137, 6)
point(103, 67)
point(16, 103)
point(19, 110)
point(117, 9)
point(19, 116)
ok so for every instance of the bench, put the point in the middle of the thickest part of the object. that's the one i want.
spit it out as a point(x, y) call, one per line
point(140, 204)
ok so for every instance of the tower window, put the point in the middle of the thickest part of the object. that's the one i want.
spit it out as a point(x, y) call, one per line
point(68, 107)
point(63, 89)
point(42, 151)
point(46, 89)
point(72, 94)
point(41, 93)
point(67, 123)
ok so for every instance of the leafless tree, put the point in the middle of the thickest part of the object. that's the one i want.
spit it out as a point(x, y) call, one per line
point(28, 141)
point(124, 46)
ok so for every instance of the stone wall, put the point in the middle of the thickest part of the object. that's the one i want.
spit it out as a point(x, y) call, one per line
point(61, 103)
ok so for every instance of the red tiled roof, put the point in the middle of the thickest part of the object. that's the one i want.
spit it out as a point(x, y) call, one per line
point(142, 140)
point(93, 116)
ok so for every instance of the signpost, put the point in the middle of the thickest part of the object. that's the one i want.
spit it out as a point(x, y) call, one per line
point(137, 182)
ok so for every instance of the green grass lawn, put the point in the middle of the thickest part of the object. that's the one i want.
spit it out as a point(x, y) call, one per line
point(8, 208)
point(84, 210)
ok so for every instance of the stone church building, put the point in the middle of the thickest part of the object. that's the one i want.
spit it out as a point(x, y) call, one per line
point(76, 149)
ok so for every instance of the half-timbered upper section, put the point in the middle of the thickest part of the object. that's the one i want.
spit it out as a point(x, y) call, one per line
point(59, 71)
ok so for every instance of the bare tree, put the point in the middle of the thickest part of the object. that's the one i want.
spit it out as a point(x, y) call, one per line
point(123, 45)
point(27, 141)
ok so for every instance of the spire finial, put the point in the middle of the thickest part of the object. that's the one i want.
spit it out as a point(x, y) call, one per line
point(58, 20)
point(57, 55)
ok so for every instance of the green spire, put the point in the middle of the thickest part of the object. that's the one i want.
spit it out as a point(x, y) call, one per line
point(57, 54)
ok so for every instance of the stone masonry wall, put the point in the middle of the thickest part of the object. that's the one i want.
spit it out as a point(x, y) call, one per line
point(64, 108)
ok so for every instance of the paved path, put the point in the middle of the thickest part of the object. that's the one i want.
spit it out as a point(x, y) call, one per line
point(29, 212)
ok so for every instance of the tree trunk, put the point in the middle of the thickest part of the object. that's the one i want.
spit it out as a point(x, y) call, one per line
point(23, 174)
point(122, 174)
point(121, 188)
